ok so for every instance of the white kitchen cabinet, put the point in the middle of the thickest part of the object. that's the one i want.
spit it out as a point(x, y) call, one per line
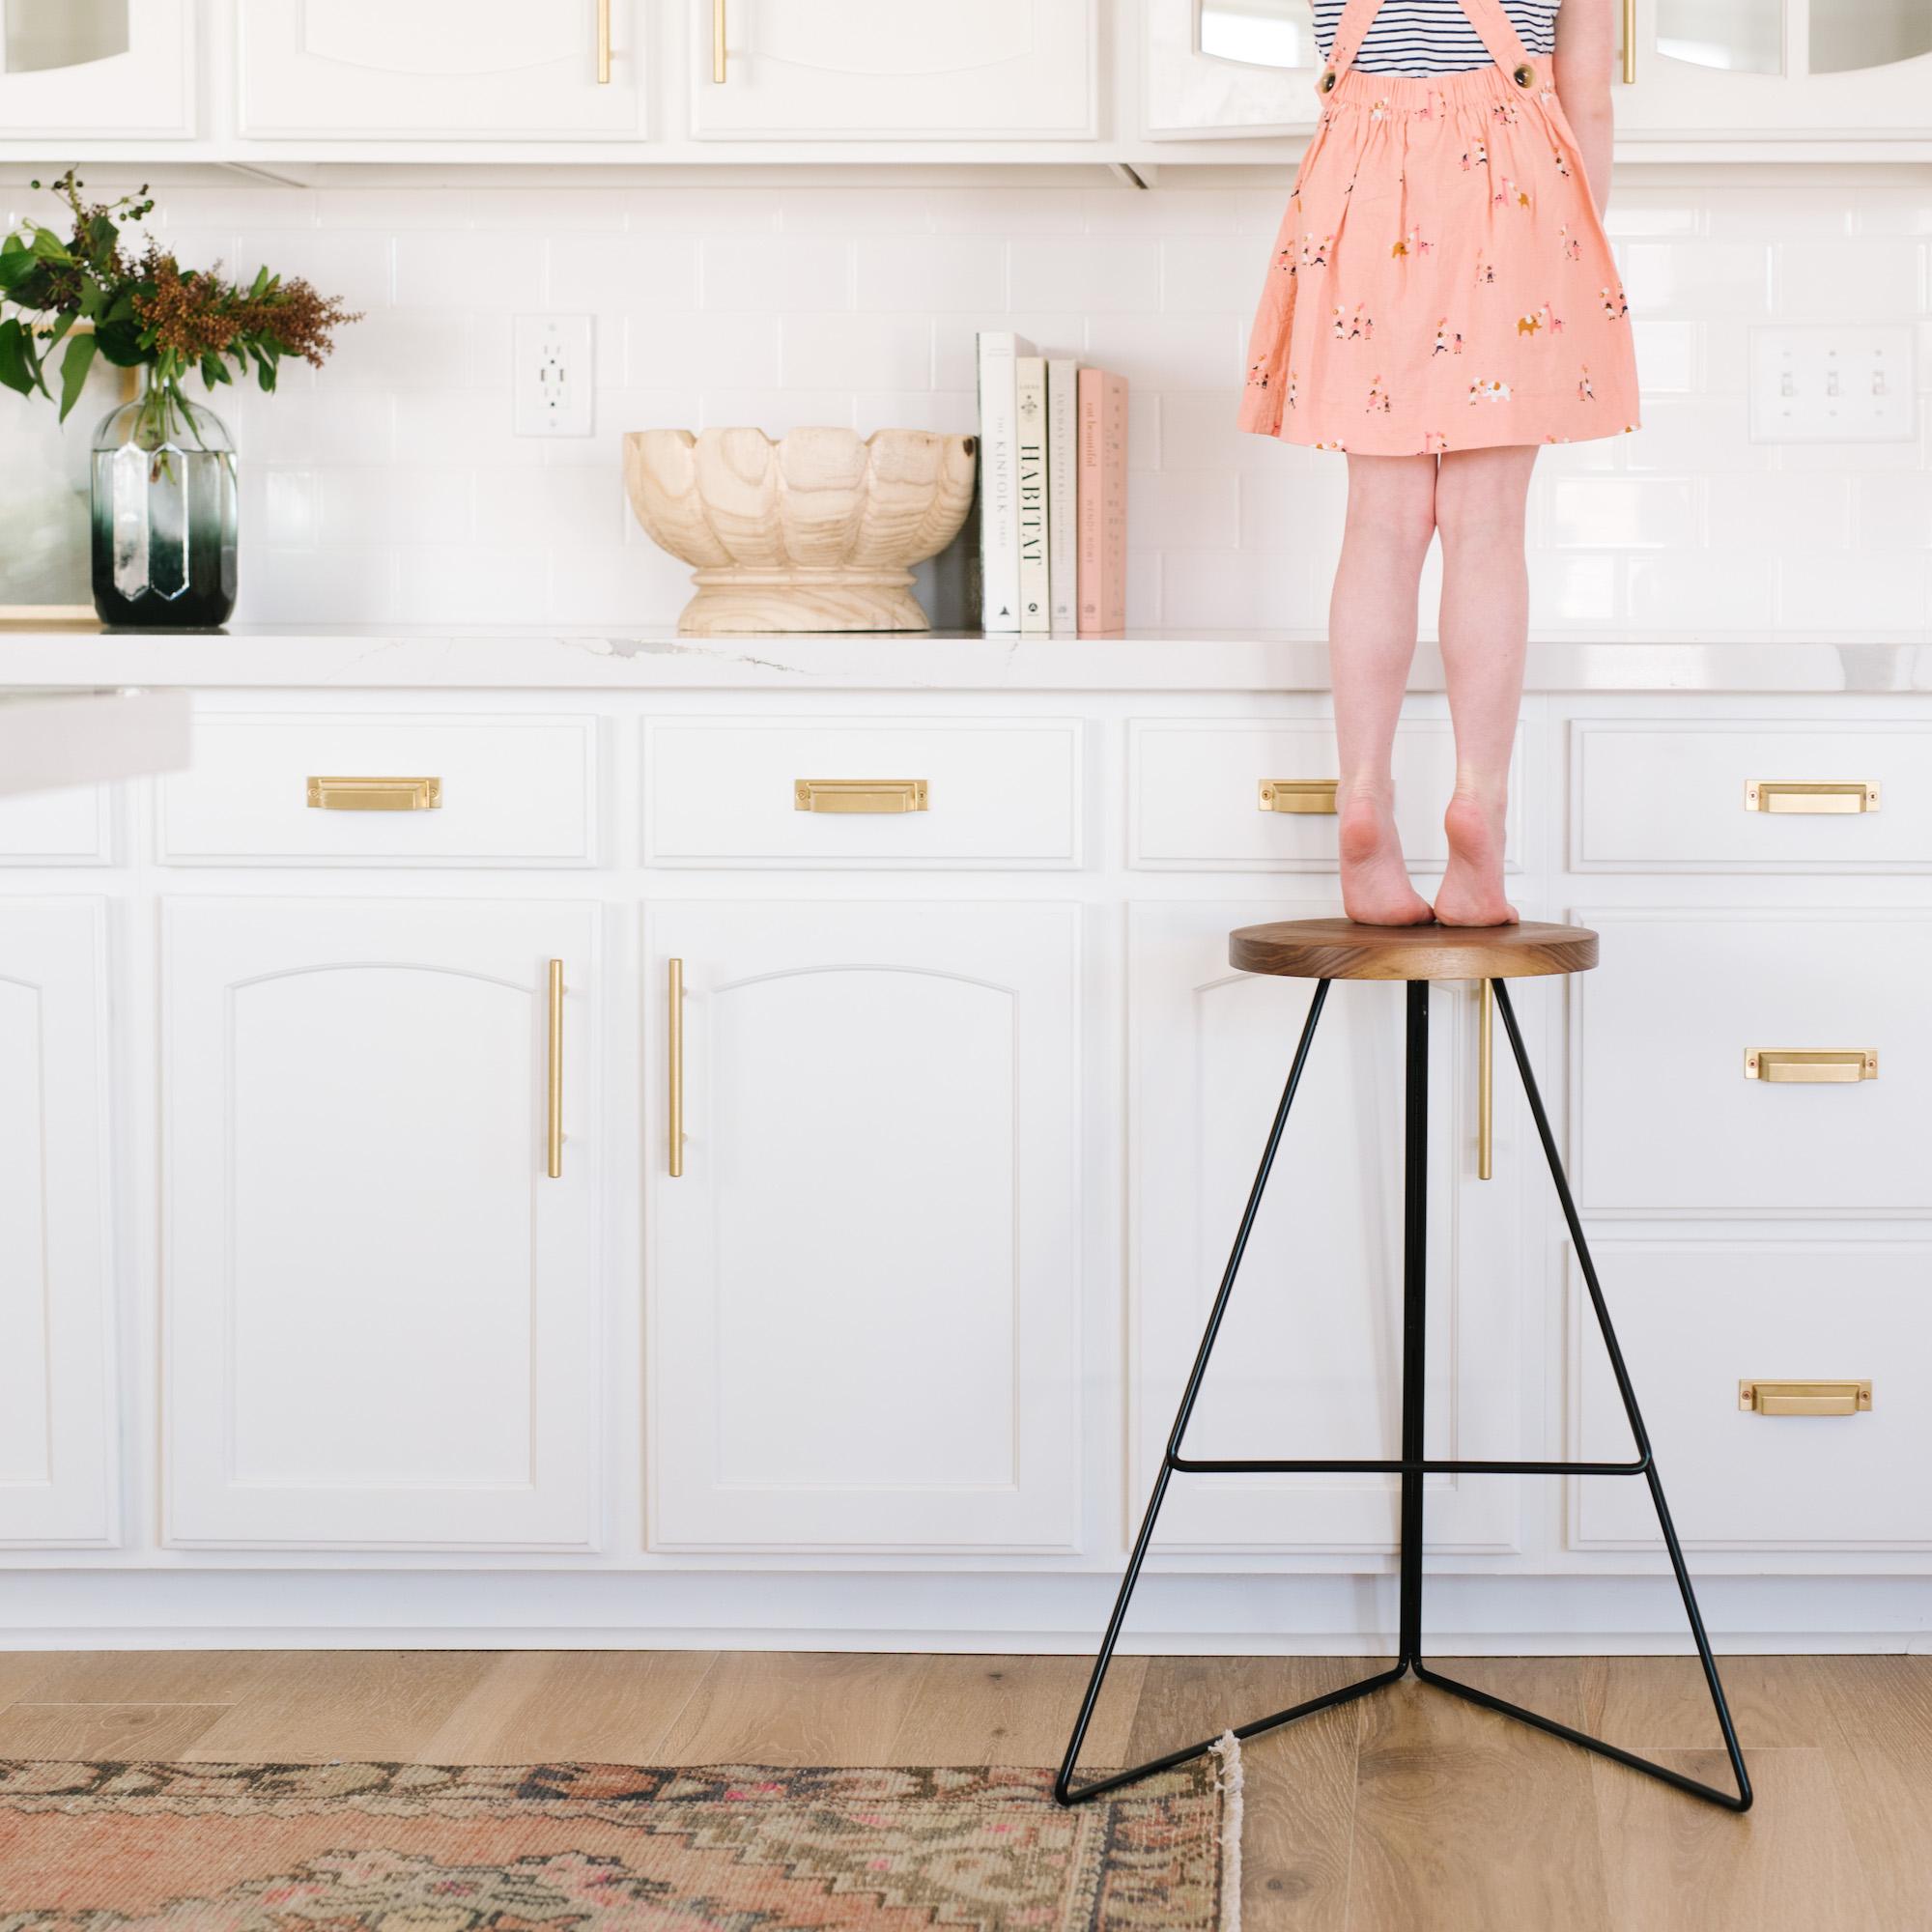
point(1308, 1362)
point(440, 70)
point(96, 69)
point(1719, 68)
point(903, 69)
point(56, 1358)
point(864, 1287)
point(1229, 66)
point(379, 1310)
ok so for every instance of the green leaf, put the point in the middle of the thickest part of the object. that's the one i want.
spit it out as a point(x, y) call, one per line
point(101, 235)
point(50, 247)
point(75, 365)
point(17, 264)
point(16, 371)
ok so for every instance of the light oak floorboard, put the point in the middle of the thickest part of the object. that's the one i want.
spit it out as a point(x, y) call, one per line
point(794, 1708)
point(1883, 1771)
point(160, 1676)
point(1014, 1709)
point(1467, 1821)
point(1299, 1781)
point(113, 1732)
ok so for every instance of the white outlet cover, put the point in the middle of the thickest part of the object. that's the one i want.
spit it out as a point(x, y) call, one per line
point(1833, 383)
point(553, 376)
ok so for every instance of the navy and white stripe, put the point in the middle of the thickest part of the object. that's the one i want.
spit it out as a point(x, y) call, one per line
point(1419, 37)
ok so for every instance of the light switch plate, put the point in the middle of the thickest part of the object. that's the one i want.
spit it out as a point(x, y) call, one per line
point(1831, 382)
point(553, 378)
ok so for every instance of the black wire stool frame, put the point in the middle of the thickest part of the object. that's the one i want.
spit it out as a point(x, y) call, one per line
point(1412, 1465)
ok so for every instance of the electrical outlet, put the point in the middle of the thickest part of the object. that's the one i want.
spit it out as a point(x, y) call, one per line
point(1837, 383)
point(554, 380)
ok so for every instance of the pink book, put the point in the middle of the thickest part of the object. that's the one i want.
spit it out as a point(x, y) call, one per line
point(1102, 506)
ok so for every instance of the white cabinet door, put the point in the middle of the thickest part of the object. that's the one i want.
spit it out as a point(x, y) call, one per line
point(1230, 67)
point(96, 69)
point(1308, 1362)
point(863, 1288)
point(845, 69)
point(440, 70)
point(56, 1364)
point(379, 1310)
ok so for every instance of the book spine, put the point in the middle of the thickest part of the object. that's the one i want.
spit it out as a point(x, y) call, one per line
point(998, 526)
point(1092, 385)
point(1062, 491)
point(1113, 505)
point(1030, 401)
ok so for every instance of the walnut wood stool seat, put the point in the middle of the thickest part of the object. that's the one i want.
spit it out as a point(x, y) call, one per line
point(1326, 950)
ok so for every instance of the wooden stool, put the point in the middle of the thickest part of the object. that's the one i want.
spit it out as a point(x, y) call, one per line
point(1324, 950)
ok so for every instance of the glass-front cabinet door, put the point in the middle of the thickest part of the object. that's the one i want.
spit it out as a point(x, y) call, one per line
point(1230, 67)
point(1771, 68)
point(96, 70)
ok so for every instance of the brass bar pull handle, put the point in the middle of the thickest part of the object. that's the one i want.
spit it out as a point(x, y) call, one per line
point(1486, 1084)
point(1763, 1398)
point(1791, 798)
point(1315, 796)
point(375, 794)
point(674, 1061)
point(1806, 1067)
point(555, 1095)
point(602, 42)
point(718, 41)
point(1630, 43)
point(874, 795)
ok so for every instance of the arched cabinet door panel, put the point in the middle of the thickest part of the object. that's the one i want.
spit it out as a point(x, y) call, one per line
point(905, 70)
point(440, 70)
point(56, 1355)
point(862, 1290)
point(96, 69)
point(1229, 66)
point(378, 1308)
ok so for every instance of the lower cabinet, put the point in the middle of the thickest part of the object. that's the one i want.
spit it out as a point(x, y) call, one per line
point(380, 1308)
point(56, 1354)
point(864, 1285)
point(1308, 1361)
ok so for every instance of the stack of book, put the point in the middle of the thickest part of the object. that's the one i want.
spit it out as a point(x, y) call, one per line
point(1052, 491)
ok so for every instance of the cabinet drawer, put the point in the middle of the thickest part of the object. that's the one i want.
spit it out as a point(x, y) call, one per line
point(1665, 1117)
point(1754, 798)
point(68, 827)
point(726, 792)
point(1696, 1321)
point(507, 791)
point(1195, 792)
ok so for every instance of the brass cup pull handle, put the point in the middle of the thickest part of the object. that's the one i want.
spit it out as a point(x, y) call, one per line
point(718, 41)
point(554, 1097)
point(375, 794)
point(602, 42)
point(1485, 1083)
point(1809, 1066)
point(1762, 1397)
point(870, 795)
point(1315, 796)
point(1791, 798)
point(1630, 43)
point(674, 1066)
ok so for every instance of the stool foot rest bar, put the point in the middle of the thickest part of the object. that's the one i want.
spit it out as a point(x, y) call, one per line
point(1411, 1465)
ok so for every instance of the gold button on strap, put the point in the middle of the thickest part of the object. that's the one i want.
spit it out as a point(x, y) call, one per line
point(1327, 81)
point(1525, 75)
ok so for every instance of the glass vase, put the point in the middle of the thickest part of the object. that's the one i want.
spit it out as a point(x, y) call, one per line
point(164, 513)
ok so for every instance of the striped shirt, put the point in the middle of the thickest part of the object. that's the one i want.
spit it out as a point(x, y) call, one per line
point(1434, 36)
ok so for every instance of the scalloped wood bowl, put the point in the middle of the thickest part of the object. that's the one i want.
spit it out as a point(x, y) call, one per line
point(816, 531)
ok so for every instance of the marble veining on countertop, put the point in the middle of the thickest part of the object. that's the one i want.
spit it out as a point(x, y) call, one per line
point(658, 659)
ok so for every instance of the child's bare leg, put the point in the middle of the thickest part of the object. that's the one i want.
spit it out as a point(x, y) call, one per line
point(1480, 498)
point(1371, 641)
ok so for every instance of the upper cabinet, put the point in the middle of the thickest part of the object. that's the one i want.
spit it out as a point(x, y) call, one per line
point(1230, 67)
point(440, 70)
point(107, 69)
point(893, 69)
point(1775, 68)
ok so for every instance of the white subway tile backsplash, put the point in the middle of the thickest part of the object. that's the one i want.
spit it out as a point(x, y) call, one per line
point(391, 488)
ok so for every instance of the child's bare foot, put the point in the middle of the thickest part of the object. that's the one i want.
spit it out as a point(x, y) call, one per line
point(1375, 882)
point(1472, 881)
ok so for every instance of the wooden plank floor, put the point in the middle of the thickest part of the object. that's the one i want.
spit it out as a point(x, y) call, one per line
point(1409, 1811)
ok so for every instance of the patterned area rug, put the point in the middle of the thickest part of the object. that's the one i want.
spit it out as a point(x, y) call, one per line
point(602, 1848)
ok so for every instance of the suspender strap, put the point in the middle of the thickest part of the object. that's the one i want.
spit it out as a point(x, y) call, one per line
point(1487, 16)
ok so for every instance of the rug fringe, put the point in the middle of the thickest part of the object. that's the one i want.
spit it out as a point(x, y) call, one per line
point(1228, 1776)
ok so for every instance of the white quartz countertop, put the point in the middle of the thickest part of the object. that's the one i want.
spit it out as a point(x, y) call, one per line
point(652, 659)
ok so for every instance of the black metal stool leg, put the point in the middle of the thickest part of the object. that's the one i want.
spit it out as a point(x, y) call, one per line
point(1742, 1800)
